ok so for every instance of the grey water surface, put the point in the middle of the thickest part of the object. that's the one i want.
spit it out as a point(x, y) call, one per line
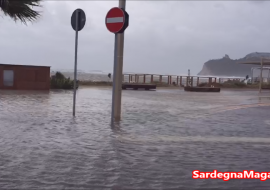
point(164, 135)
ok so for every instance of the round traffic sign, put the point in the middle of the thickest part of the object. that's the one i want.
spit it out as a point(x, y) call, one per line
point(116, 20)
point(81, 19)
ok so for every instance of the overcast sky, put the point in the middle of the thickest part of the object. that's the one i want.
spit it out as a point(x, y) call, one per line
point(164, 37)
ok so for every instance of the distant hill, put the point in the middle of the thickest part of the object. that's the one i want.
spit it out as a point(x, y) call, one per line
point(229, 67)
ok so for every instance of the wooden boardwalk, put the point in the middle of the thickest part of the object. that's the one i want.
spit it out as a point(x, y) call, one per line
point(175, 80)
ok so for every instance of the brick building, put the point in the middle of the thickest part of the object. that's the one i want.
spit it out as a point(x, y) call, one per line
point(24, 77)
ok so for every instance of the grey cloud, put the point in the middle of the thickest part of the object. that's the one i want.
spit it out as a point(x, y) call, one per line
point(163, 36)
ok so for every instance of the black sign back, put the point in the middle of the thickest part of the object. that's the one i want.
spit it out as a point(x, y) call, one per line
point(81, 19)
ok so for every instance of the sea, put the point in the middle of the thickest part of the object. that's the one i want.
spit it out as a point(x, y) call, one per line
point(103, 76)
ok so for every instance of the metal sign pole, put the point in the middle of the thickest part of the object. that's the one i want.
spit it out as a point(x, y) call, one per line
point(260, 86)
point(119, 69)
point(118, 28)
point(75, 65)
point(114, 78)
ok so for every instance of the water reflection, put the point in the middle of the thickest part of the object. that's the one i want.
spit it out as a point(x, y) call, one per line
point(163, 136)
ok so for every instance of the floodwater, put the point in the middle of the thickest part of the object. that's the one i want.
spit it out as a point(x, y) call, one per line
point(163, 137)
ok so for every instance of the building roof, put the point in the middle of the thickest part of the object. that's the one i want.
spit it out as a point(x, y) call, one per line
point(257, 62)
point(1, 64)
point(264, 68)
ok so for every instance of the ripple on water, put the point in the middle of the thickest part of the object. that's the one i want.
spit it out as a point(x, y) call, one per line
point(163, 137)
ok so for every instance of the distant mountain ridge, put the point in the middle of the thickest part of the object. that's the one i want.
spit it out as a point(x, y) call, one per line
point(229, 67)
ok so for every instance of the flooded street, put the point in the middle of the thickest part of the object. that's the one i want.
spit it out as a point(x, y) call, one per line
point(164, 136)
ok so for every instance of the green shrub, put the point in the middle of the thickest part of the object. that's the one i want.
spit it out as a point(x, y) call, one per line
point(203, 84)
point(227, 84)
point(233, 84)
point(59, 81)
point(95, 83)
point(160, 84)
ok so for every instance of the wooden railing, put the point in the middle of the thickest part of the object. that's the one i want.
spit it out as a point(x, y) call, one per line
point(174, 79)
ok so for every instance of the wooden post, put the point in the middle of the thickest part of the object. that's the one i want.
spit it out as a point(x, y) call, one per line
point(180, 80)
point(152, 79)
point(187, 81)
point(210, 80)
point(191, 81)
point(177, 80)
point(198, 81)
point(168, 79)
point(160, 78)
point(215, 80)
point(143, 78)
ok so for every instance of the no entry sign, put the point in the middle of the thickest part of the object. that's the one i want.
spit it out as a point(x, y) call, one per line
point(117, 20)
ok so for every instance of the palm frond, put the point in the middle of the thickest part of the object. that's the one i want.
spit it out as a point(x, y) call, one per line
point(20, 9)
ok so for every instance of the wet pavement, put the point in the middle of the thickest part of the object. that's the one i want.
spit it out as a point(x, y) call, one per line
point(163, 137)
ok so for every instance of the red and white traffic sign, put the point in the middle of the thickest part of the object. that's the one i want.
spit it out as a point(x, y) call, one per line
point(117, 20)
